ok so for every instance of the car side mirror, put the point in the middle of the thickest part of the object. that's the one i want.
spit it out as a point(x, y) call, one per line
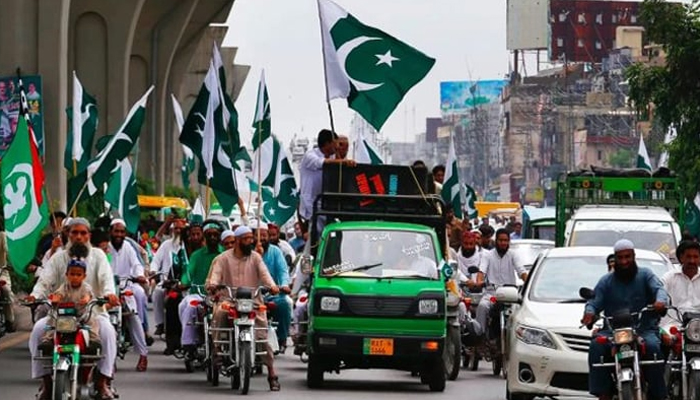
point(508, 295)
point(586, 293)
point(307, 264)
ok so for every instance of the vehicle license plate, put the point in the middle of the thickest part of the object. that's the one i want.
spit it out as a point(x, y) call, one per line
point(378, 347)
point(625, 354)
point(692, 348)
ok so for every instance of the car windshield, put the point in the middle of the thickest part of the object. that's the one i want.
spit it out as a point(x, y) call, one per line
point(558, 279)
point(544, 232)
point(379, 254)
point(647, 235)
point(528, 252)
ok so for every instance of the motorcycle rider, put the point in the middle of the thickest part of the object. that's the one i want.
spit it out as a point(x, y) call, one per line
point(274, 261)
point(243, 267)
point(683, 286)
point(287, 250)
point(6, 288)
point(498, 267)
point(467, 255)
point(627, 287)
point(196, 274)
point(170, 260)
point(101, 279)
point(125, 263)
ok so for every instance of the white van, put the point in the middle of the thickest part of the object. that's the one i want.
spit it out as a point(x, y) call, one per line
point(649, 228)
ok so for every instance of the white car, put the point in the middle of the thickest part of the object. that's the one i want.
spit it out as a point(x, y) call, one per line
point(546, 347)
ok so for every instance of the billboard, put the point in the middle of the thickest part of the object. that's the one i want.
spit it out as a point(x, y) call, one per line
point(9, 109)
point(461, 97)
point(527, 24)
point(584, 30)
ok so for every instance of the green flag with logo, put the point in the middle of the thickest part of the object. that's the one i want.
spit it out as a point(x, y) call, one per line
point(450, 186)
point(643, 160)
point(122, 195)
point(368, 67)
point(81, 129)
point(470, 203)
point(188, 162)
point(25, 204)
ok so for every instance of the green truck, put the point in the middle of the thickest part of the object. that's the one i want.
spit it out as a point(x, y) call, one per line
point(378, 297)
point(598, 207)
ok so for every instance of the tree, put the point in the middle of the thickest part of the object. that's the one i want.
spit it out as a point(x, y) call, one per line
point(622, 158)
point(672, 91)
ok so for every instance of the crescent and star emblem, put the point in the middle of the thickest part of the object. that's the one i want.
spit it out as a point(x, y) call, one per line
point(348, 47)
point(15, 195)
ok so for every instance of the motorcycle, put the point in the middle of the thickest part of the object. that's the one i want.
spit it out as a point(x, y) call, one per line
point(173, 329)
point(470, 330)
point(237, 344)
point(452, 353)
point(683, 366)
point(196, 356)
point(301, 329)
point(72, 355)
point(627, 347)
point(119, 316)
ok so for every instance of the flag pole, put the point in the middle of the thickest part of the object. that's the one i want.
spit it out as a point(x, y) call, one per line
point(207, 200)
point(73, 209)
point(325, 71)
point(75, 173)
point(259, 161)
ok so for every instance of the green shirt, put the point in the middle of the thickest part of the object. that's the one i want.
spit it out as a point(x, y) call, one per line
point(198, 267)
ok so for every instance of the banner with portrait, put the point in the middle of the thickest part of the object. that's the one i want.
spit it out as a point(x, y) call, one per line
point(9, 109)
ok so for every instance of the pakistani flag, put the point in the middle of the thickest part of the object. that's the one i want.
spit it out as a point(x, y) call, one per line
point(122, 195)
point(668, 138)
point(271, 167)
point(82, 128)
point(368, 67)
point(25, 205)
point(643, 160)
point(692, 216)
point(197, 214)
point(188, 155)
point(107, 161)
point(450, 186)
point(470, 205)
point(365, 152)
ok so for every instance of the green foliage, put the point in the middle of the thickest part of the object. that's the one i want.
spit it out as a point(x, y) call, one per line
point(622, 158)
point(673, 89)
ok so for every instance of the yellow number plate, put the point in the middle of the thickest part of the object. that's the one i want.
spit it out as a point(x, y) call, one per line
point(378, 347)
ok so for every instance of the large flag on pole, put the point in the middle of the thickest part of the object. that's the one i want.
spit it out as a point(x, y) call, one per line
point(643, 160)
point(368, 67)
point(365, 152)
point(122, 195)
point(271, 166)
point(25, 205)
point(450, 186)
point(82, 127)
point(188, 162)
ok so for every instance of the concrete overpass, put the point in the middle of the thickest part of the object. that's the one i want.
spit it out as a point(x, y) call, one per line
point(118, 49)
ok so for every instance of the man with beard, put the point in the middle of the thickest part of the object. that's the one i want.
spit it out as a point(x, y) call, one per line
point(125, 264)
point(287, 250)
point(632, 288)
point(194, 238)
point(100, 278)
point(468, 255)
point(274, 261)
point(498, 267)
point(242, 267)
point(195, 277)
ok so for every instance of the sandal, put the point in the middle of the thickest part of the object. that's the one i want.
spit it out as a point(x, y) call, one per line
point(274, 383)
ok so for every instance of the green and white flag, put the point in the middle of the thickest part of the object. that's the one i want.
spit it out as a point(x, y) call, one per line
point(25, 204)
point(82, 127)
point(668, 138)
point(122, 195)
point(643, 160)
point(470, 203)
point(692, 216)
point(101, 168)
point(271, 165)
point(188, 162)
point(368, 67)
point(365, 152)
point(197, 214)
point(450, 186)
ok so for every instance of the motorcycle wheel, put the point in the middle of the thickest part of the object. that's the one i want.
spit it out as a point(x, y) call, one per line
point(61, 381)
point(435, 377)
point(245, 366)
point(235, 379)
point(626, 391)
point(694, 385)
point(497, 365)
point(188, 364)
point(452, 354)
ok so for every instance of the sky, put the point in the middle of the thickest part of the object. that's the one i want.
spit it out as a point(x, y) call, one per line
point(283, 37)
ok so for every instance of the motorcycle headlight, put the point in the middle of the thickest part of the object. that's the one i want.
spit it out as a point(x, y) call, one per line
point(330, 303)
point(534, 336)
point(623, 336)
point(692, 331)
point(428, 306)
point(66, 324)
point(244, 306)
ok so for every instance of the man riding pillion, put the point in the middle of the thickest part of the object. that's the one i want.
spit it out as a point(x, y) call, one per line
point(169, 261)
point(125, 264)
point(196, 274)
point(683, 286)
point(499, 267)
point(633, 288)
point(101, 279)
point(243, 267)
point(274, 260)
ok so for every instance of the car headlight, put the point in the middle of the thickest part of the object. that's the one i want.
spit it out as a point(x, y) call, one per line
point(330, 303)
point(428, 306)
point(66, 324)
point(692, 331)
point(623, 336)
point(534, 336)
point(244, 306)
